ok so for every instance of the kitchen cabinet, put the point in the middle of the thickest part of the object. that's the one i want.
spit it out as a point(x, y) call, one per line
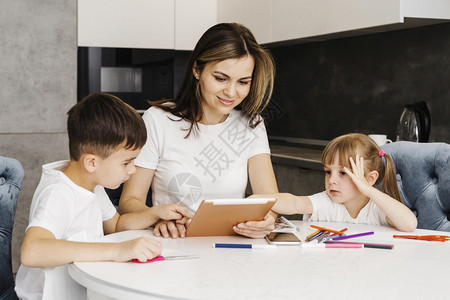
point(294, 19)
point(192, 19)
point(298, 181)
point(254, 14)
point(126, 23)
point(298, 169)
point(178, 24)
point(305, 19)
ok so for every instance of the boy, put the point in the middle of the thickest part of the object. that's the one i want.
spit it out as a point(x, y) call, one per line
point(70, 207)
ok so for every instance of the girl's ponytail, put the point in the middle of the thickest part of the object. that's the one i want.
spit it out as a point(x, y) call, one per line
point(389, 184)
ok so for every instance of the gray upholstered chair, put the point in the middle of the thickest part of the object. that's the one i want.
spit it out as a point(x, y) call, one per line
point(423, 178)
point(11, 176)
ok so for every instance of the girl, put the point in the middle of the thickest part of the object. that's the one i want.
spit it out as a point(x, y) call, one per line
point(210, 138)
point(353, 165)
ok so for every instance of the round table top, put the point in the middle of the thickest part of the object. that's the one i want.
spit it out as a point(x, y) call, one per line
point(413, 269)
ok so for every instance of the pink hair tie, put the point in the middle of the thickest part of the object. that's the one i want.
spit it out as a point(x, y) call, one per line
point(381, 153)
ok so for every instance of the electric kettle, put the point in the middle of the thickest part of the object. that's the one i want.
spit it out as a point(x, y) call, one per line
point(414, 124)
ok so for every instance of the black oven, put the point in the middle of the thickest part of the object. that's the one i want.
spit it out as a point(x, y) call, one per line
point(134, 75)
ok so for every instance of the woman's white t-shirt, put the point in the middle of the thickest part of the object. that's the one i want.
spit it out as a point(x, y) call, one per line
point(209, 164)
point(324, 209)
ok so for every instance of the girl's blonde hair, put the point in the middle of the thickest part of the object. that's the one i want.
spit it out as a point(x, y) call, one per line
point(348, 145)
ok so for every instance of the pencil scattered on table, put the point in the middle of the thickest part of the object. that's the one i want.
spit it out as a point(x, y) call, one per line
point(366, 245)
point(334, 245)
point(345, 237)
point(244, 246)
point(327, 229)
point(438, 238)
point(336, 239)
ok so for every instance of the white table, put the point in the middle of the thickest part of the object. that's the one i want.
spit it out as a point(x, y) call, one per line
point(412, 270)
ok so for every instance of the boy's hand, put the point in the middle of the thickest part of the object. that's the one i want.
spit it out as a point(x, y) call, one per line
point(172, 212)
point(256, 229)
point(142, 249)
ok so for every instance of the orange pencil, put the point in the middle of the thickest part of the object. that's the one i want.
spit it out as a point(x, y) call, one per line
point(315, 232)
point(326, 229)
point(342, 230)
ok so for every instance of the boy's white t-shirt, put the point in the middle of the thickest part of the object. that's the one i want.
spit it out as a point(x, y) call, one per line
point(324, 209)
point(70, 212)
point(211, 163)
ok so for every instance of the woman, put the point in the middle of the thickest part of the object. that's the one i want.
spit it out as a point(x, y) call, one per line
point(210, 138)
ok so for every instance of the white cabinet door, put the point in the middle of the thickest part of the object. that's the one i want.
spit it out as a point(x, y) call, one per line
point(126, 23)
point(344, 15)
point(256, 15)
point(293, 19)
point(192, 19)
point(433, 9)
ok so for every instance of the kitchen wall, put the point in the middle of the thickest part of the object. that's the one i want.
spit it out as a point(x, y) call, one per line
point(360, 84)
point(38, 50)
point(325, 88)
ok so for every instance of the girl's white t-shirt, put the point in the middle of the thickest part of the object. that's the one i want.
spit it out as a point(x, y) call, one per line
point(324, 209)
point(209, 164)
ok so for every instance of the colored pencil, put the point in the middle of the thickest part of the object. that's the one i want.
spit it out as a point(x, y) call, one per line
point(336, 235)
point(317, 235)
point(333, 245)
point(352, 236)
point(244, 246)
point(327, 229)
point(366, 245)
point(315, 232)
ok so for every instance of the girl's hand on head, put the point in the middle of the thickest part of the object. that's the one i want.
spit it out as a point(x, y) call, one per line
point(357, 174)
point(256, 229)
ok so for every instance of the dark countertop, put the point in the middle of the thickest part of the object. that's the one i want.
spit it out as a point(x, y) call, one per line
point(301, 156)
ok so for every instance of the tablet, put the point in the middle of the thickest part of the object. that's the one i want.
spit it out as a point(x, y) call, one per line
point(216, 217)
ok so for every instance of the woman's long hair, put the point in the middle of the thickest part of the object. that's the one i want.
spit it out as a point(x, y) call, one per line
point(220, 42)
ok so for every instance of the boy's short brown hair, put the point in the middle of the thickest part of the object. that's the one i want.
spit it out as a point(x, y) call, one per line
point(100, 123)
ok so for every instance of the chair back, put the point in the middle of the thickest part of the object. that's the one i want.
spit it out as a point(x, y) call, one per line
point(11, 176)
point(423, 178)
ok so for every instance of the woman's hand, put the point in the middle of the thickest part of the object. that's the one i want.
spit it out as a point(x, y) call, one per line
point(256, 229)
point(171, 228)
point(174, 219)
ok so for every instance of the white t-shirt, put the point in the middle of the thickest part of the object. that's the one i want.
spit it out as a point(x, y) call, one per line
point(70, 212)
point(324, 209)
point(211, 163)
